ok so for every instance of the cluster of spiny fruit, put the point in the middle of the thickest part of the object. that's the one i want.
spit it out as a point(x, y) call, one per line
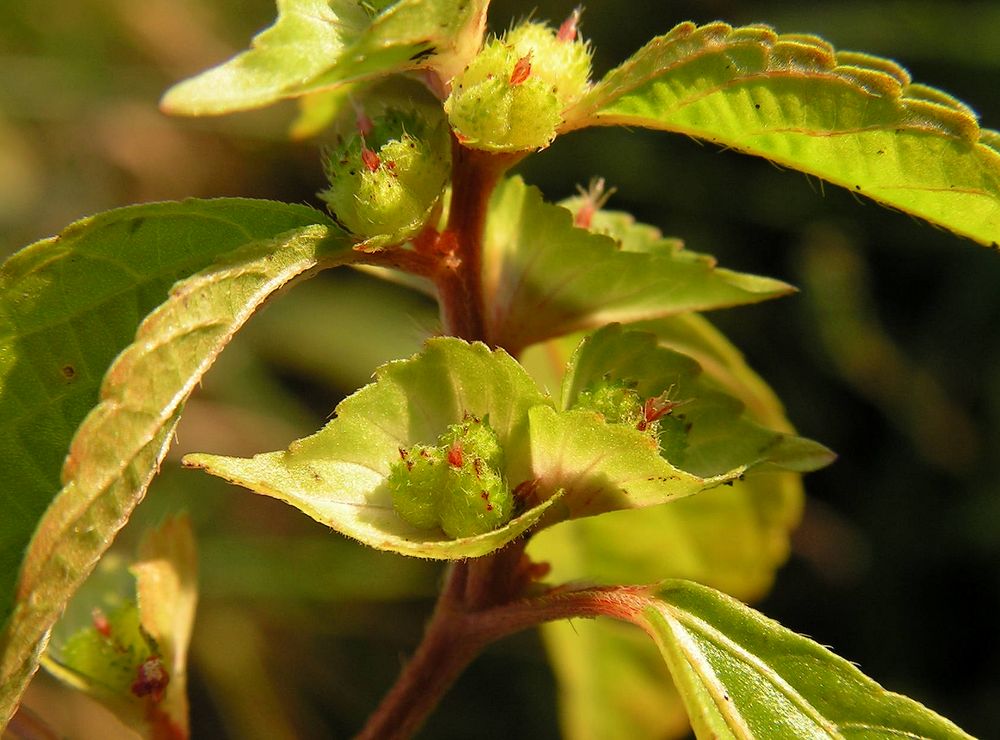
point(457, 485)
point(386, 178)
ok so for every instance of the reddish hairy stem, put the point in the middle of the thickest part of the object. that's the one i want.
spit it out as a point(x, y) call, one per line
point(474, 175)
point(478, 602)
point(456, 634)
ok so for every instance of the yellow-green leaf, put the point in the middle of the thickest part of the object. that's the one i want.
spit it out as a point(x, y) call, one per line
point(853, 119)
point(67, 307)
point(742, 675)
point(318, 44)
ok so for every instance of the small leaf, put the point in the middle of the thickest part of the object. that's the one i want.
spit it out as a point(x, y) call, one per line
point(72, 302)
point(166, 573)
point(742, 675)
point(719, 437)
point(339, 475)
point(731, 538)
point(318, 44)
point(849, 118)
point(124, 641)
point(543, 277)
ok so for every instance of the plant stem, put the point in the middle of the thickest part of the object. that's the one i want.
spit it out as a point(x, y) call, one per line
point(457, 632)
point(470, 610)
point(474, 175)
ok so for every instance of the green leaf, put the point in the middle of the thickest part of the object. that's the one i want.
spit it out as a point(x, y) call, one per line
point(115, 625)
point(849, 118)
point(318, 44)
point(338, 476)
point(742, 675)
point(732, 538)
point(720, 439)
point(722, 364)
point(543, 277)
point(70, 304)
point(612, 683)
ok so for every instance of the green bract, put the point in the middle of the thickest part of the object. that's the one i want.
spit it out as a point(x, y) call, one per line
point(511, 96)
point(111, 651)
point(384, 182)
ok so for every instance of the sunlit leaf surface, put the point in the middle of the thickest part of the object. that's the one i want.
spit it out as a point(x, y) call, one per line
point(853, 119)
point(69, 305)
point(339, 475)
point(742, 675)
point(543, 277)
point(317, 44)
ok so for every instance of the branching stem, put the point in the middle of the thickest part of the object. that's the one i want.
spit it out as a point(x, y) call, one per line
point(483, 599)
point(457, 632)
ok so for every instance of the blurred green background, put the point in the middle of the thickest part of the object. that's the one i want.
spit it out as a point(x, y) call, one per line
point(889, 355)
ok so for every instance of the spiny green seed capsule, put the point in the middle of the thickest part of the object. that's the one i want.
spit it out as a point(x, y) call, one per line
point(475, 500)
point(477, 439)
point(386, 178)
point(618, 402)
point(457, 485)
point(512, 94)
point(415, 482)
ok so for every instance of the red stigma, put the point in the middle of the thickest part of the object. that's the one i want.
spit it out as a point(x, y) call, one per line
point(101, 623)
point(371, 159)
point(568, 29)
point(455, 454)
point(656, 408)
point(363, 122)
point(522, 70)
point(594, 199)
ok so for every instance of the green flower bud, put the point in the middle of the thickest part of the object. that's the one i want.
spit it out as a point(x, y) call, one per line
point(385, 179)
point(618, 402)
point(415, 482)
point(512, 94)
point(561, 62)
point(475, 500)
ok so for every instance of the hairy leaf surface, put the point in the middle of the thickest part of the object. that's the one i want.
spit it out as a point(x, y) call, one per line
point(338, 476)
point(719, 437)
point(731, 538)
point(742, 675)
point(70, 304)
point(849, 118)
point(543, 277)
point(317, 44)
